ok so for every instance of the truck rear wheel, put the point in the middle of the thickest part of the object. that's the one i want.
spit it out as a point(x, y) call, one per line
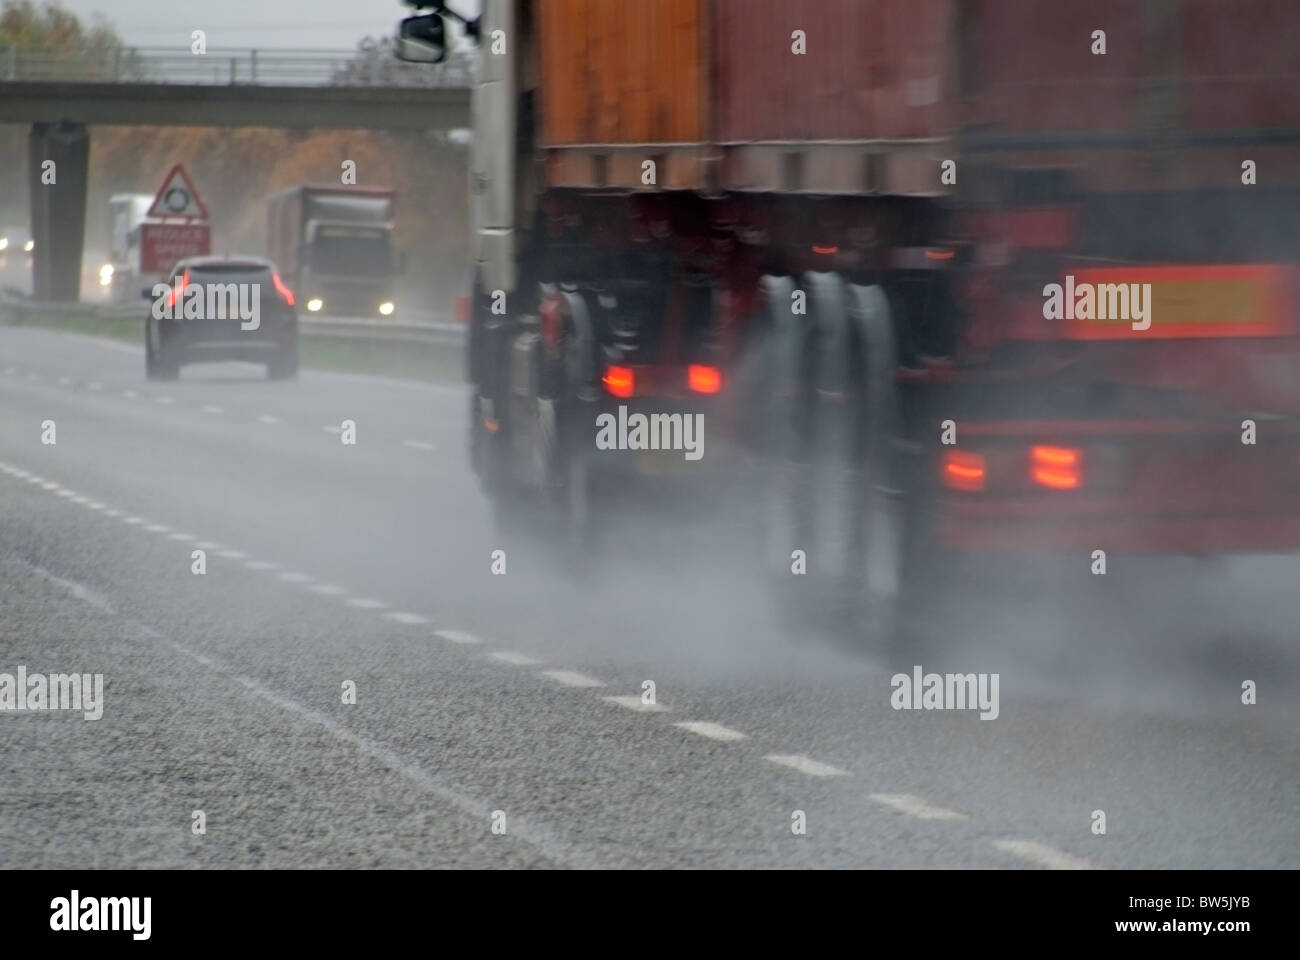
point(842, 470)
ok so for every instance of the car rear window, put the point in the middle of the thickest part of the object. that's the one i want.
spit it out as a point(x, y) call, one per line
point(230, 273)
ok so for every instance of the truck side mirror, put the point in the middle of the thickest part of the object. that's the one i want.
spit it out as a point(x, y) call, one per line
point(422, 39)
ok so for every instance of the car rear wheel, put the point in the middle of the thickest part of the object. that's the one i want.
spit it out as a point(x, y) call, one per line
point(284, 365)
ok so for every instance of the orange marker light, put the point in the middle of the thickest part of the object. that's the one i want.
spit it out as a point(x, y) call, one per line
point(620, 381)
point(825, 251)
point(964, 471)
point(1060, 468)
point(703, 379)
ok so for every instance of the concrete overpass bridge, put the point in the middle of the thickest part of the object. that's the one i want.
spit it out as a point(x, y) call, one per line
point(61, 96)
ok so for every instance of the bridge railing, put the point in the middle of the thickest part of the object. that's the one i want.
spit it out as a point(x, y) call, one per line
point(375, 67)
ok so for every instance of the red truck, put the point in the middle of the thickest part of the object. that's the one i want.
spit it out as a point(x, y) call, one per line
point(959, 276)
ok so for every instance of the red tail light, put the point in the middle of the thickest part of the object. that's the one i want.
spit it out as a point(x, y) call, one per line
point(964, 471)
point(703, 379)
point(462, 308)
point(284, 291)
point(178, 291)
point(1060, 468)
point(620, 381)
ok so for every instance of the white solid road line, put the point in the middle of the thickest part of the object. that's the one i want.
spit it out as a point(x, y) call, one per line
point(515, 659)
point(635, 703)
point(571, 678)
point(914, 806)
point(797, 761)
point(714, 731)
point(410, 619)
point(457, 636)
point(1043, 855)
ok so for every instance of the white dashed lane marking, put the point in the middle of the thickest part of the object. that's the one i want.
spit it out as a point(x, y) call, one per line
point(261, 565)
point(327, 590)
point(635, 703)
point(365, 603)
point(515, 659)
point(130, 394)
point(571, 678)
point(417, 444)
point(232, 555)
point(210, 408)
point(164, 400)
point(714, 731)
point(916, 807)
point(797, 761)
point(1043, 855)
point(94, 386)
point(457, 636)
point(290, 576)
point(411, 619)
point(331, 428)
point(157, 528)
point(268, 419)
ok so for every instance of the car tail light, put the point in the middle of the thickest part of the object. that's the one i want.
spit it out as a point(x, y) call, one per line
point(284, 291)
point(964, 471)
point(178, 291)
point(620, 381)
point(1059, 468)
point(703, 379)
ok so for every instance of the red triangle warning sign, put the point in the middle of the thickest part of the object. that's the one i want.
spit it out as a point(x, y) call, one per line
point(178, 198)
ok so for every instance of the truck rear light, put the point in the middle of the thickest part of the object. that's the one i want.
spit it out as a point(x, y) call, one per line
point(703, 379)
point(964, 471)
point(283, 290)
point(462, 308)
point(1059, 468)
point(620, 381)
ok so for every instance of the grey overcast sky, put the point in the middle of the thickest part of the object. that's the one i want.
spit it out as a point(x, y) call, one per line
point(329, 24)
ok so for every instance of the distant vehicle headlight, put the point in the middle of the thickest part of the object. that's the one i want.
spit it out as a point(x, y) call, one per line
point(386, 308)
point(315, 304)
point(4, 243)
point(29, 246)
point(105, 274)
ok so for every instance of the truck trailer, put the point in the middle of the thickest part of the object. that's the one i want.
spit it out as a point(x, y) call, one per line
point(337, 246)
point(958, 277)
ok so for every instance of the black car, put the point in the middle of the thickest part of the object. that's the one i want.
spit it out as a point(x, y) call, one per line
point(221, 308)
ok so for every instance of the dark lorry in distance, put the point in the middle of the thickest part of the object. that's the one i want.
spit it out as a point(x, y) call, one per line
point(336, 246)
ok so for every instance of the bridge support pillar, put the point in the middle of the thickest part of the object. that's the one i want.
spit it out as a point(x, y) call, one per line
point(58, 208)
